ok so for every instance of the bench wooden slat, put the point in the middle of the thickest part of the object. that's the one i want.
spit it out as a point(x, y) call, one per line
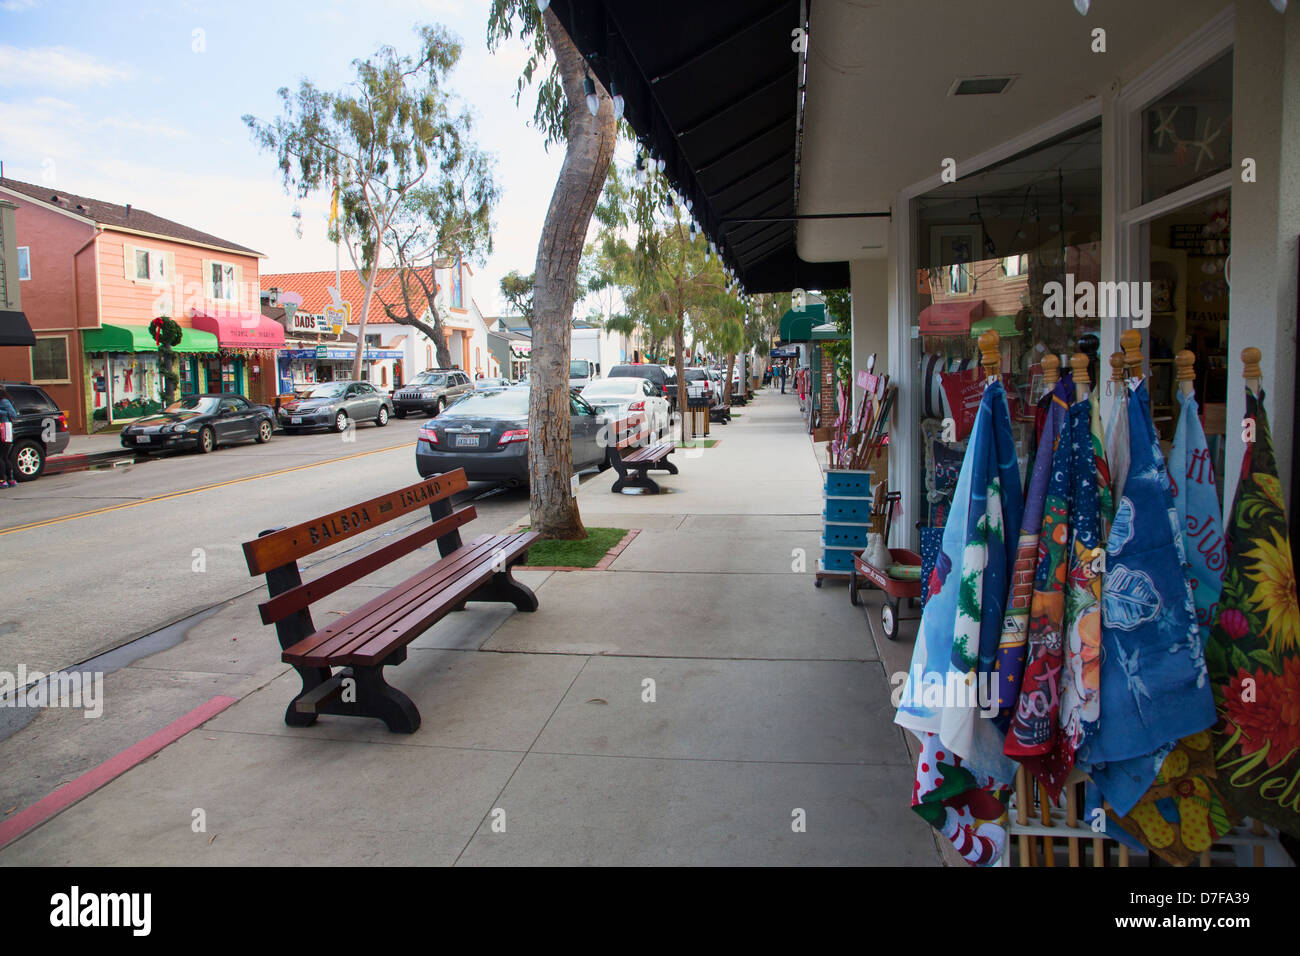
point(335, 637)
point(420, 617)
point(310, 592)
point(290, 544)
point(651, 453)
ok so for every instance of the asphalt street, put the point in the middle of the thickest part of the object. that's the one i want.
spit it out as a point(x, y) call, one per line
point(92, 560)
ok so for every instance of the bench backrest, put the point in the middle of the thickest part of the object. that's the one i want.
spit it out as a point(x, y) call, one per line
point(276, 553)
point(630, 432)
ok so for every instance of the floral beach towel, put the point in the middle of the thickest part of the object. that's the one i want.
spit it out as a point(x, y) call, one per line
point(1254, 648)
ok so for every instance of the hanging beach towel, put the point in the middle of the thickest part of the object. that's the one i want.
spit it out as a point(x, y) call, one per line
point(957, 643)
point(1015, 624)
point(1154, 687)
point(1254, 649)
point(1183, 812)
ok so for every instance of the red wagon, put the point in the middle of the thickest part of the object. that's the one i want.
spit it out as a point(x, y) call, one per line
point(895, 589)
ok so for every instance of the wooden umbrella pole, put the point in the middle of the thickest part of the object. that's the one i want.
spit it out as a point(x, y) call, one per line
point(1072, 820)
point(1082, 380)
point(1131, 343)
point(1045, 814)
point(1022, 816)
point(1251, 372)
point(1185, 374)
point(1117, 370)
point(1051, 372)
point(991, 353)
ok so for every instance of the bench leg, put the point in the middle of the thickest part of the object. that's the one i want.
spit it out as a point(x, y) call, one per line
point(369, 695)
point(667, 466)
point(312, 678)
point(503, 588)
point(640, 479)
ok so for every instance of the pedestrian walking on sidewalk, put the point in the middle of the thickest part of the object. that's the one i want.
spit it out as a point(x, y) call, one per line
point(8, 421)
point(783, 369)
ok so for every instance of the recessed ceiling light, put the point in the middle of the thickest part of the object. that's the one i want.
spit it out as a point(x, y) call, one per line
point(980, 85)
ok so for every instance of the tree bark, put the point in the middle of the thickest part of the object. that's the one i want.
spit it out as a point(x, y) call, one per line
point(731, 370)
point(553, 510)
point(679, 347)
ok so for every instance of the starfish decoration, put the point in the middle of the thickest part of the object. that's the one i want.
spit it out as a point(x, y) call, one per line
point(1204, 144)
point(1165, 126)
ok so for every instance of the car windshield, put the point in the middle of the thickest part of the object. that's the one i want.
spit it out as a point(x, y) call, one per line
point(579, 368)
point(194, 404)
point(612, 387)
point(509, 403)
point(330, 390)
point(429, 378)
point(695, 374)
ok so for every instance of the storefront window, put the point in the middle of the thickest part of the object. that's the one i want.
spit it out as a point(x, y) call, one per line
point(1188, 132)
point(1006, 247)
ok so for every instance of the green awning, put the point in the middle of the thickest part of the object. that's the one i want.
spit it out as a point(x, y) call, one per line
point(1004, 325)
point(826, 332)
point(137, 338)
point(797, 326)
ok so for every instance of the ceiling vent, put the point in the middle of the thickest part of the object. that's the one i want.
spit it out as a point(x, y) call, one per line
point(980, 85)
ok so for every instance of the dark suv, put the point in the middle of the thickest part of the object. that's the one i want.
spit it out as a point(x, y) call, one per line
point(654, 374)
point(41, 429)
point(430, 392)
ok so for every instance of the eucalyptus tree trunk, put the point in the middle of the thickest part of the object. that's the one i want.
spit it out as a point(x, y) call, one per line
point(731, 370)
point(553, 510)
point(679, 347)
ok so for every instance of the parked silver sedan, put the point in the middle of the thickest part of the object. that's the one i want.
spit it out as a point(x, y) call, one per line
point(334, 404)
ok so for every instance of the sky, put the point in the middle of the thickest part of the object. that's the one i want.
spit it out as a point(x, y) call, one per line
point(128, 102)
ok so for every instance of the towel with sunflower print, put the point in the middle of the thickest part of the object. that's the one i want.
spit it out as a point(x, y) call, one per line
point(1254, 651)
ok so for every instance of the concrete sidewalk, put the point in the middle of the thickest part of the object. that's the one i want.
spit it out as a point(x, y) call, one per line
point(770, 705)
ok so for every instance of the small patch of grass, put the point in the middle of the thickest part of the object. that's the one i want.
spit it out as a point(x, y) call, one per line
point(698, 443)
point(584, 553)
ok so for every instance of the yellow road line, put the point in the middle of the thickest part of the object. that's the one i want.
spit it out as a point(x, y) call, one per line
point(192, 491)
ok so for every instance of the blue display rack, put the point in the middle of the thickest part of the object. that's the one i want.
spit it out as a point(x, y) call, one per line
point(845, 522)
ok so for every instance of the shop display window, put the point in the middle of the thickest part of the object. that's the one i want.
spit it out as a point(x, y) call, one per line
point(1004, 249)
point(1187, 133)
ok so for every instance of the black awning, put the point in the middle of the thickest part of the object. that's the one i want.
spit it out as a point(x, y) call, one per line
point(15, 330)
point(713, 88)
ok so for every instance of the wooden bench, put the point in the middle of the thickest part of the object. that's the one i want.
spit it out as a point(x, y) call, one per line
point(341, 664)
point(633, 466)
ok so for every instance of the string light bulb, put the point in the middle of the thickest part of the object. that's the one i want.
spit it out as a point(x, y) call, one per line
point(542, 5)
point(1082, 6)
point(589, 87)
point(619, 104)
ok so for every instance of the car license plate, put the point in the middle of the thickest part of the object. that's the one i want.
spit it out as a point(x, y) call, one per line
point(296, 420)
point(470, 440)
point(143, 439)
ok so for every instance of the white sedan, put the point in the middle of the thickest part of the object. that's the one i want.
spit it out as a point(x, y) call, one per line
point(617, 398)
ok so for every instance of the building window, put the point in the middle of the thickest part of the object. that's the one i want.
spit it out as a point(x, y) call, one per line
point(372, 341)
point(1188, 132)
point(1015, 265)
point(457, 288)
point(50, 360)
point(223, 282)
point(24, 263)
point(150, 265)
point(428, 356)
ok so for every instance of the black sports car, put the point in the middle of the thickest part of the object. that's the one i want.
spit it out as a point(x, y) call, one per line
point(202, 422)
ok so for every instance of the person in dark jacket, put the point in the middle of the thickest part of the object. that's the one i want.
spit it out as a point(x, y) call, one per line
point(9, 414)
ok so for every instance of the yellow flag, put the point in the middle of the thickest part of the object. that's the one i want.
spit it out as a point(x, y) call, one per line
point(334, 206)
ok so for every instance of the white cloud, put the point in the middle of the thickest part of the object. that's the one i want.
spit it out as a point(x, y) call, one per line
point(18, 6)
point(57, 66)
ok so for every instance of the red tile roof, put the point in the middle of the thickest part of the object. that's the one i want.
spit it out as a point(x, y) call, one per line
point(125, 217)
point(314, 289)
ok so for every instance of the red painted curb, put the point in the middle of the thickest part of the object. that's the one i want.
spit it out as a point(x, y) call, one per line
point(109, 770)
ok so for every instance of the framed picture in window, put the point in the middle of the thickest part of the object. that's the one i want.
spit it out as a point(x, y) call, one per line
point(953, 250)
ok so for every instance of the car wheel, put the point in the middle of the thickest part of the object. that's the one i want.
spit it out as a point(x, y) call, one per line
point(340, 421)
point(382, 420)
point(400, 412)
point(263, 431)
point(29, 460)
point(207, 441)
point(437, 408)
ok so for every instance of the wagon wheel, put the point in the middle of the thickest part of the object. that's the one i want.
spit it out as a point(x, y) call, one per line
point(853, 586)
point(889, 619)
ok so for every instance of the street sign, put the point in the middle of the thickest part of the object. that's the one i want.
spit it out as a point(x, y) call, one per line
point(322, 352)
